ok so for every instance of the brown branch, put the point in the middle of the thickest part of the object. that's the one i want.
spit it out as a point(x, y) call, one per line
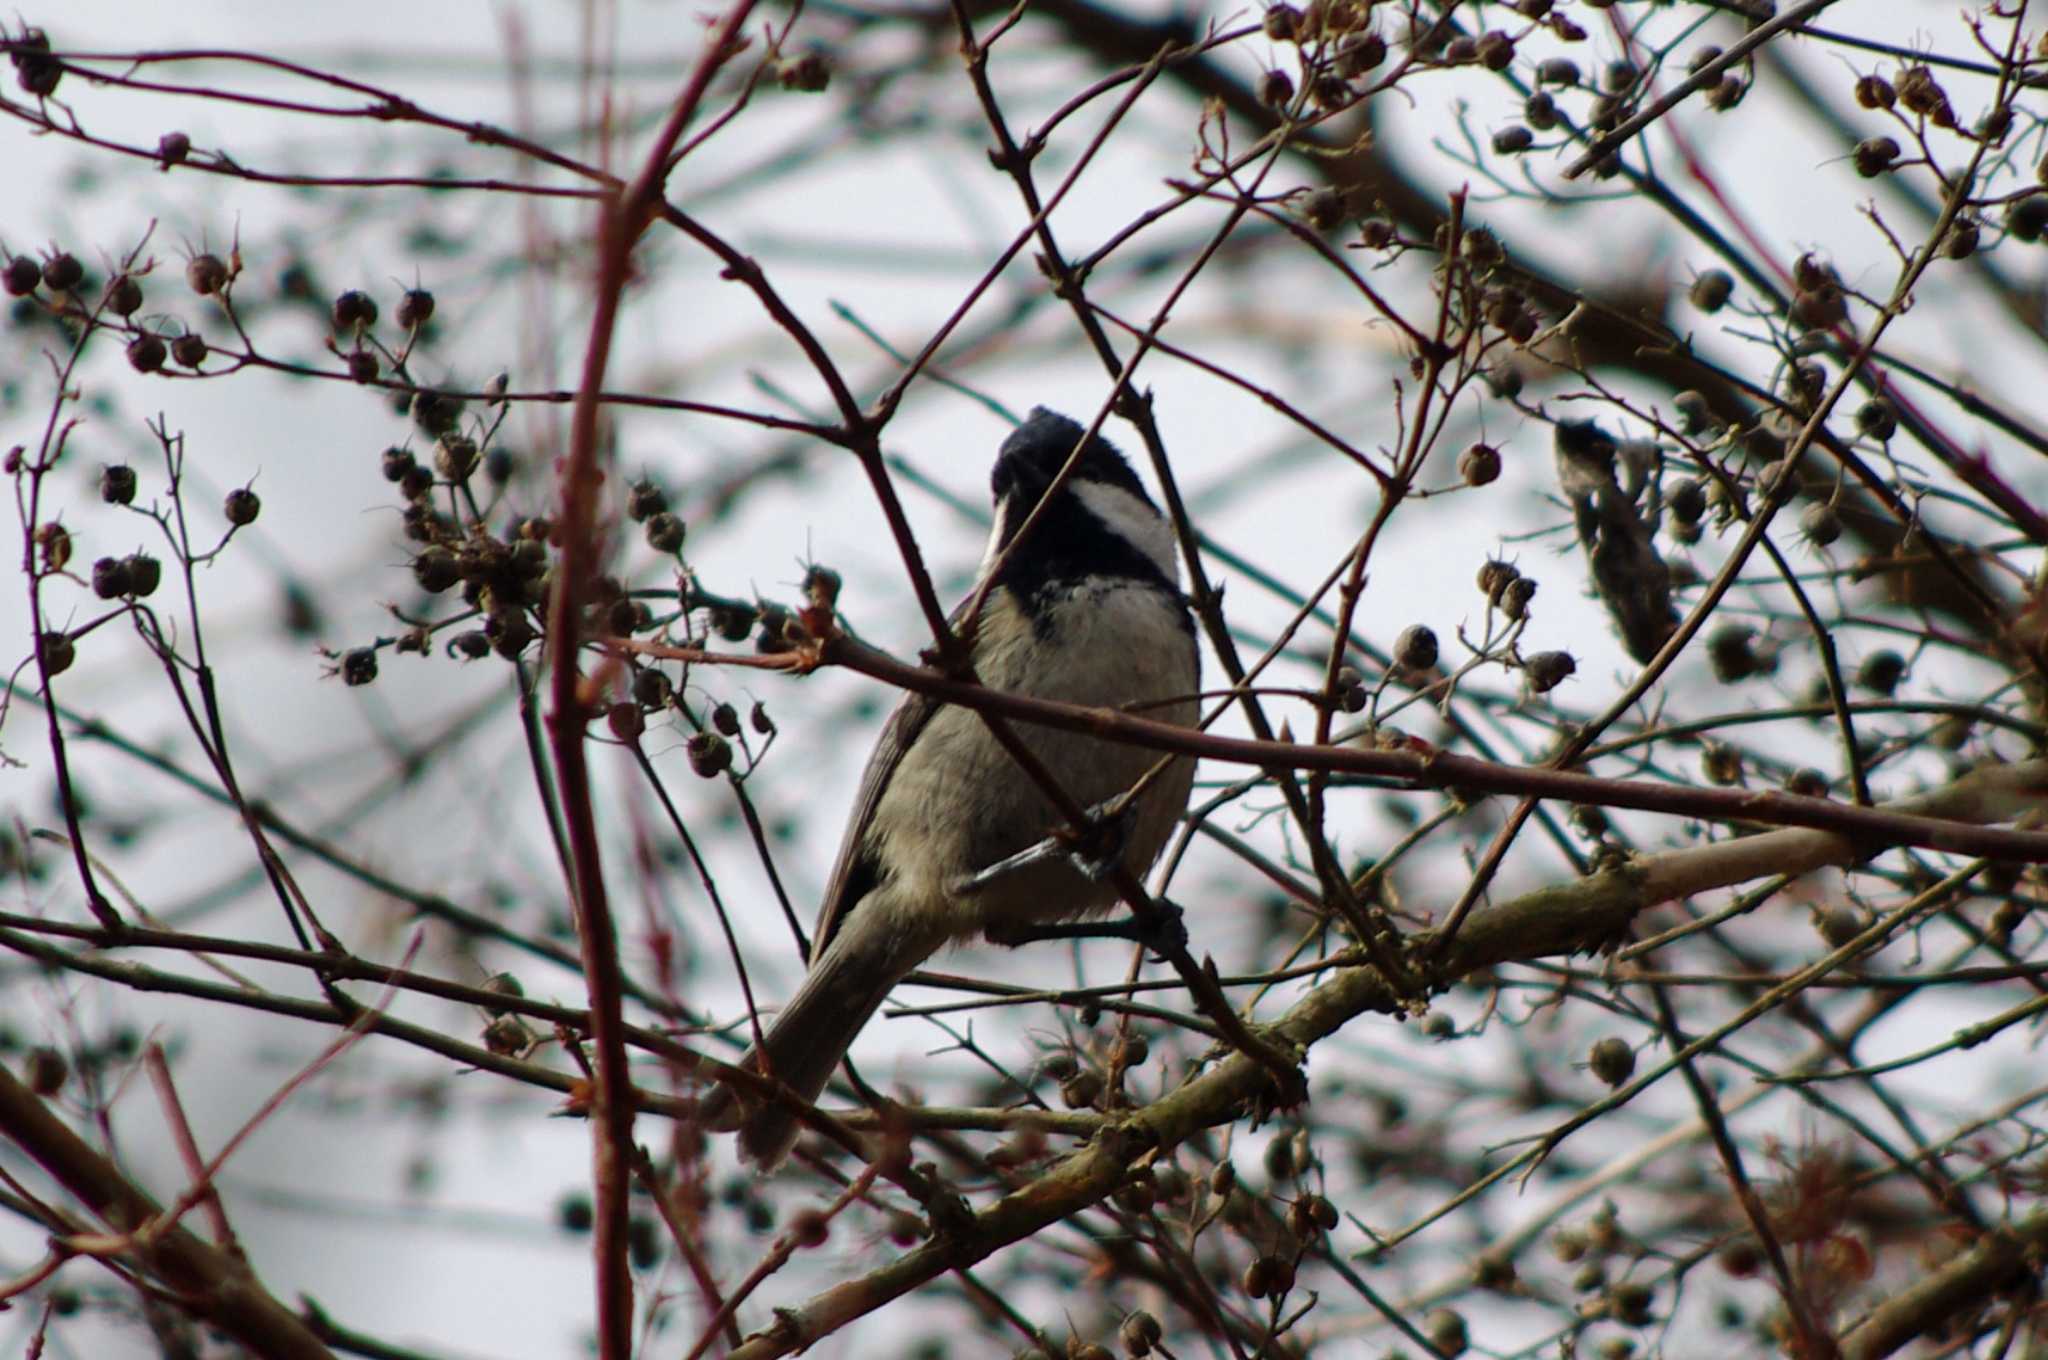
point(209, 1284)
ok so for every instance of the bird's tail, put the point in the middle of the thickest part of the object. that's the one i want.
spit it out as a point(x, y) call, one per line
point(801, 1050)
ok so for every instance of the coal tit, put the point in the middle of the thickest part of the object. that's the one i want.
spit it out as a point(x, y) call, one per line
point(1087, 610)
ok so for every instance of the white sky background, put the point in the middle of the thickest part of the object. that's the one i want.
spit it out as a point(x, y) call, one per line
point(471, 1265)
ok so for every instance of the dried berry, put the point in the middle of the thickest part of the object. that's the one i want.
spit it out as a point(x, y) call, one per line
point(626, 721)
point(1962, 239)
point(1877, 418)
point(1446, 1331)
point(1721, 763)
point(62, 272)
point(1558, 71)
point(1874, 155)
point(171, 149)
point(1416, 648)
point(455, 457)
point(117, 484)
point(1139, 1333)
point(110, 578)
point(206, 274)
point(2027, 219)
point(1540, 110)
point(1513, 139)
point(1711, 290)
point(1820, 524)
point(34, 67)
point(145, 573)
point(189, 349)
point(1514, 601)
point(436, 570)
point(354, 310)
point(242, 506)
point(124, 296)
point(644, 500)
point(1276, 89)
point(363, 366)
point(806, 74)
point(1881, 672)
point(1282, 23)
point(1360, 55)
point(58, 652)
point(44, 1071)
point(1875, 92)
point(1496, 50)
point(1611, 1060)
point(1323, 209)
point(1807, 782)
point(147, 352)
point(664, 533)
point(23, 275)
point(359, 666)
point(710, 755)
point(415, 308)
point(397, 462)
point(1547, 670)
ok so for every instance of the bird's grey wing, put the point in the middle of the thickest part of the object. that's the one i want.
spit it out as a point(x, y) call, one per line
point(855, 870)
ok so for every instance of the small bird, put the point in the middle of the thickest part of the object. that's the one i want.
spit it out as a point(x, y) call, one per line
point(1087, 610)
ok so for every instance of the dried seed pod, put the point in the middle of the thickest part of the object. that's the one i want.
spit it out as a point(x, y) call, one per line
point(1547, 670)
point(1878, 418)
point(171, 149)
point(1514, 601)
point(1874, 155)
point(1361, 54)
point(808, 73)
point(206, 274)
point(1820, 524)
point(359, 666)
point(1687, 501)
point(354, 310)
point(1558, 71)
point(117, 484)
point(110, 578)
point(1323, 209)
point(147, 352)
point(1479, 465)
point(1807, 782)
point(1276, 89)
point(145, 573)
point(436, 570)
point(1416, 648)
point(242, 506)
point(1513, 140)
point(1496, 50)
point(1721, 763)
point(1881, 672)
point(1282, 23)
point(1446, 1331)
point(664, 533)
point(415, 308)
point(23, 276)
point(1711, 290)
point(363, 365)
point(1875, 92)
point(1139, 1333)
point(1611, 1060)
point(1540, 110)
point(62, 272)
point(2027, 219)
point(189, 349)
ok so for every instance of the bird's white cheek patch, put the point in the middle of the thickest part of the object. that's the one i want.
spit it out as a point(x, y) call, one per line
point(1131, 520)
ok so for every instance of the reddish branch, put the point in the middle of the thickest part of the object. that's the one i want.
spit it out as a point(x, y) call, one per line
point(214, 1285)
point(624, 219)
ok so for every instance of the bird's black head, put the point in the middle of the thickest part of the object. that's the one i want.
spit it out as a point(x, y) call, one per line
point(1101, 526)
point(1036, 451)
